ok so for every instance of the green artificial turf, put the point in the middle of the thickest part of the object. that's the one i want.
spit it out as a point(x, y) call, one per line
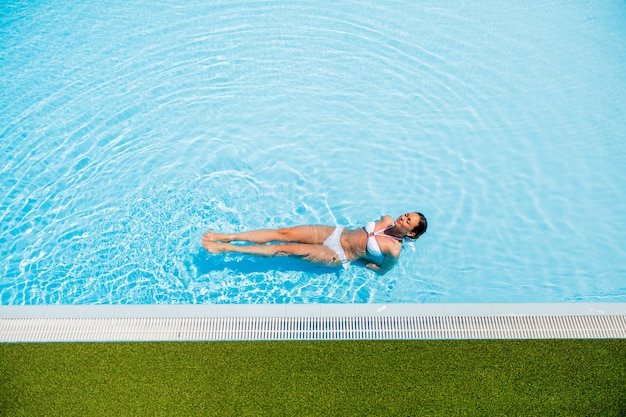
point(403, 378)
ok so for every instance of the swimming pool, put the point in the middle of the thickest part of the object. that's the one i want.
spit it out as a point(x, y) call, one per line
point(131, 128)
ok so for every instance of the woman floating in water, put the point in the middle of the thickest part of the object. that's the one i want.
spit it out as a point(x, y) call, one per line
point(379, 243)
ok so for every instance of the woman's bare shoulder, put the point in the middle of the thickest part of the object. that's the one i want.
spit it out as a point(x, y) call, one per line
point(386, 220)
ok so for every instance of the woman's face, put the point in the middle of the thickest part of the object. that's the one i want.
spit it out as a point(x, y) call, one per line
point(407, 222)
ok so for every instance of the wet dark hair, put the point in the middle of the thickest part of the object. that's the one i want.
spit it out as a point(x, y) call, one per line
point(420, 229)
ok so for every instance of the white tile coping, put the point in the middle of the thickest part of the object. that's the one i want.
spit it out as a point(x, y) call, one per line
point(107, 323)
point(312, 310)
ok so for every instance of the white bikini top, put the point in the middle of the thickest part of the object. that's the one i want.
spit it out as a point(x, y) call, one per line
point(373, 250)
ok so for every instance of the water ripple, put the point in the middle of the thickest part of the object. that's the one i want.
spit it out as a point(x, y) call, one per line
point(132, 128)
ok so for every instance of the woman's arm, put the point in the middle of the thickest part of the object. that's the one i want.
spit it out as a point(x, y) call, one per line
point(389, 259)
point(388, 262)
point(391, 252)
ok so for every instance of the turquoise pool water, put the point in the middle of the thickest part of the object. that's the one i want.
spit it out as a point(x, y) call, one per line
point(130, 128)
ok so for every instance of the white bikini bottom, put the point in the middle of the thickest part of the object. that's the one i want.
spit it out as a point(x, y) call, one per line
point(333, 242)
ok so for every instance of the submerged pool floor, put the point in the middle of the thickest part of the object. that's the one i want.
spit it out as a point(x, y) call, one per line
point(311, 322)
point(129, 129)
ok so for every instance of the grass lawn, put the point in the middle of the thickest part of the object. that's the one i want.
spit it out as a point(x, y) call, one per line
point(403, 378)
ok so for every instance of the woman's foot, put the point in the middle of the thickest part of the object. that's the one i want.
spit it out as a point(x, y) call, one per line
point(214, 247)
point(211, 237)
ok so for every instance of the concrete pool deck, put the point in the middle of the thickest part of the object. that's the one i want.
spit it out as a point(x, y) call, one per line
point(99, 323)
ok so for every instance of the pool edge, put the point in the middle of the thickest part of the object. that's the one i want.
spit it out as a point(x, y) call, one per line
point(105, 323)
point(310, 310)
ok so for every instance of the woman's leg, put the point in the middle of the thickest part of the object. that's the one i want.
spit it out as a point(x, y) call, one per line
point(300, 234)
point(313, 253)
